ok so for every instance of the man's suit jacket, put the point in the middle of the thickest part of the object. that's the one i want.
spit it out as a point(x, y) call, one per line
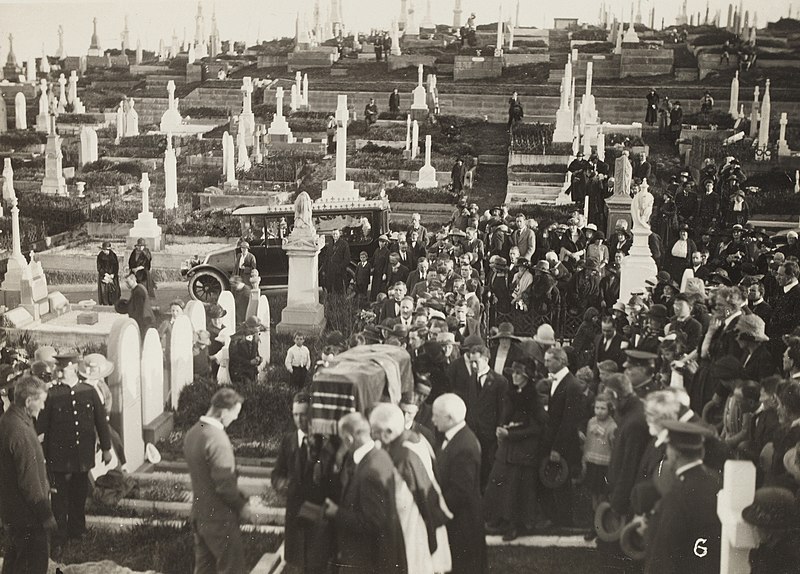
point(614, 353)
point(387, 310)
point(459, 469)
point(565, 411)
point(412, 279)
point(139, 308)
point(484, 404)
point(407, 259)
point(525, 241)
point(212, 467)
point(393, 276)
point(457, 374)
point(785, 313)
point(473, 327)
point(368, 532)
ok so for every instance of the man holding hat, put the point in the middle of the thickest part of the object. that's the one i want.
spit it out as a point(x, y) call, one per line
point(72, 420)
point(684, 534)
point(108, 290)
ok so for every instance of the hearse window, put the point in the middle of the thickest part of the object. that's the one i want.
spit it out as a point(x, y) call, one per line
point(356, 227)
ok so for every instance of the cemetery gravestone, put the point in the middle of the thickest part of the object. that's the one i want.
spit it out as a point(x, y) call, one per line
point(152, 369)
point(226, 301)
point(197, 315)
point(263, 313)
point(125, 384)
point(181, 364)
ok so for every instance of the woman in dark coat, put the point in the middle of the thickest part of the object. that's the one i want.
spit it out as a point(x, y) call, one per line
point(651, 116)
point(108, 290)
point(510, 499)
point(141, 258)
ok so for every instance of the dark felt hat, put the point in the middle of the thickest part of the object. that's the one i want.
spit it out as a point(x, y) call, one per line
point(553, 474)
point(607, 523)
point(773, 508)
point(505, 331)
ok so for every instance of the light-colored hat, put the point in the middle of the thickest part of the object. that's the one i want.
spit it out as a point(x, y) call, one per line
point(446, 338)
point(752, 326)
point(545, 335)
point(95, 366)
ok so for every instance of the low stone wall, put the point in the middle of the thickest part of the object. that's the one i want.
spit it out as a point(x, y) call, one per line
point(646, 62)
point(310, 59)
point(407, 61)
point(476, 67)
point(512, 60)
point(265, 61)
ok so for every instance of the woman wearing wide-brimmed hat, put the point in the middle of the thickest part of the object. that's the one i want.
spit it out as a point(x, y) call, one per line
point(141, 258)
point(510, 499)
point(776, 515)
point(503, 347)
point(108, 291)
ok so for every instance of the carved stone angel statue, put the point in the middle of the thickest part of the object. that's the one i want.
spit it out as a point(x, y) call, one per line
point(302, 213)
point(642, 209)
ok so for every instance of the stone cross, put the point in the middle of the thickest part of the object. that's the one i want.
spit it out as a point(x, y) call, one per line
point(72, 91)
point(62, 94)
point(754, 114)
point(279, 101)
point(783, 146)
point(144, 185)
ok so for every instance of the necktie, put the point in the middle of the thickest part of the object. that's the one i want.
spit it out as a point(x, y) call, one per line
point(303, 454)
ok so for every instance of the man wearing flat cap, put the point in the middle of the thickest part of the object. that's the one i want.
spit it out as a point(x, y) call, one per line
point(72, 420)
point(684, 534)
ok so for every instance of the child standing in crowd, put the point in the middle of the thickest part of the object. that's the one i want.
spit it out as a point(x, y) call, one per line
point(363, 274)
point(298, 361)
point(597, 451)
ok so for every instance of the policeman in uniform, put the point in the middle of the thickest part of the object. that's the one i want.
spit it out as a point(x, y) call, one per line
point(71, 421)
point(684, 533)
point(639, 368)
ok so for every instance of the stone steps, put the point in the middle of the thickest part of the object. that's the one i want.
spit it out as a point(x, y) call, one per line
point(250, 486)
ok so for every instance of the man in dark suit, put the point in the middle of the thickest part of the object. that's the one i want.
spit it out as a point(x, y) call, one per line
point(390, 307)
point(684, 533)
point(380, 267)
point(462, 368)
point(338, 263)
point(755, 300)
point(786, 307)
point(608, 345)
point(418, 274)
point(397, 271)
point(218, 505)
point(138, 306)
point(72, 421)
point(565, 412)
point(368, 533)
point(459, 467)
point(304, 472)
point(405, 256)
point(483, 392)
point(24, 488)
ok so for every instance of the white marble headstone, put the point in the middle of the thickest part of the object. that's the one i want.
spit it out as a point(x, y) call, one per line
point(181, 364)
point(124, 382)
point(152, 369)
point(227, 302)
point(263, 313)
point(197, 315)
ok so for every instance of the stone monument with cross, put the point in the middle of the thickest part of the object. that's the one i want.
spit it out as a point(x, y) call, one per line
point(427, 173)
point(247, 120)
point(279, 130)
point(54, 182)
point(146, 226)
point(303, 311)
point(170, 176)
point(419, 105)
point(62, 94)
point(171, 119)
point(43, 116)
point(341, 189)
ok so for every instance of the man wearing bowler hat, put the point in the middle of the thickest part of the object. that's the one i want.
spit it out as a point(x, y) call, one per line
point(684, 534)
point(72, 420)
